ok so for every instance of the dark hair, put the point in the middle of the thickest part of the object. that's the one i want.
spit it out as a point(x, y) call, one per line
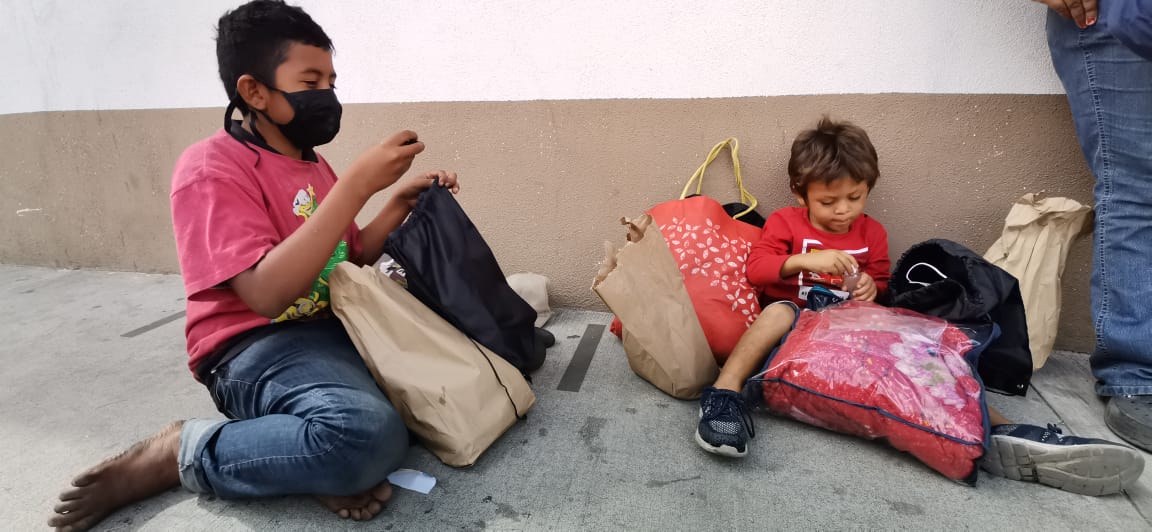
point(829, 152)
point(254, 39)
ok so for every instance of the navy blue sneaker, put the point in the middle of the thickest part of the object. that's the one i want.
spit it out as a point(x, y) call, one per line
point(1087, 466)
point(725, 426)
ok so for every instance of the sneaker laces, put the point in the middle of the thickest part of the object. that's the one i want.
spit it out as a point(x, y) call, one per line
point(731, 406)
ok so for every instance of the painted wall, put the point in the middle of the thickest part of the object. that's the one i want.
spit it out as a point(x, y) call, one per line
point(560, 116)
point(144, 54)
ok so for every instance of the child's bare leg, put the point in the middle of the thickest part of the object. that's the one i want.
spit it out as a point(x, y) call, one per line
point(144, 470)
point(725, 426)
point(749, 353)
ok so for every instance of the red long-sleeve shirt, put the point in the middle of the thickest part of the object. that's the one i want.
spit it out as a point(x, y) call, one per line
point(788, 232)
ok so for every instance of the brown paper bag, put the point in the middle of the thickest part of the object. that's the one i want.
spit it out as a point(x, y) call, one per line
point(662, 335)
point(456, 395)
point(1038, 233)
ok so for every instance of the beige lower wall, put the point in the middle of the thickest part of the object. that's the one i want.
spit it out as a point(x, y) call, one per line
point(546, 181)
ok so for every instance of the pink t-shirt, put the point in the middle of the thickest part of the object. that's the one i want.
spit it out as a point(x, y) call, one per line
point(231, 204)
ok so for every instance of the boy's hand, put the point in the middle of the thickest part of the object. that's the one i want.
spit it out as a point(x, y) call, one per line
point(410, 189)
point(382, 165)
point(865, 288)
point(373, 235)
point(831, 261)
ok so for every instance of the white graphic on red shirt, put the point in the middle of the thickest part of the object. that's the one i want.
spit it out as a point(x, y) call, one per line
point(811, 245)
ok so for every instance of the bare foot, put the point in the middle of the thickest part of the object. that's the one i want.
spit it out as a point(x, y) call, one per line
point(359, 507)
point(145, 469)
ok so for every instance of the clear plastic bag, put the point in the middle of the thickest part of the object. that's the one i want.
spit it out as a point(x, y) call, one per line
point(876, 372)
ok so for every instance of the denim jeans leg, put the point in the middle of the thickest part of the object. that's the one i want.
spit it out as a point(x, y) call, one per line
point(195, 434)
point(1110, 93)
point(308, 418)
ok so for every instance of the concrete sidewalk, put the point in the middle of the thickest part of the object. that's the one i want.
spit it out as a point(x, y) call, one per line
point(94, 361)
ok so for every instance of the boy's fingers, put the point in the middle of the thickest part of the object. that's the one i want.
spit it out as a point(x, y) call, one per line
point(402, 137)
point(449, 181)
point(445, 179)
point(414, 147)
point(866, 290)
point(410, 150)
point(406, 142)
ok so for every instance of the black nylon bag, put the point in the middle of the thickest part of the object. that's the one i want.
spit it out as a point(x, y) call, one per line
point(451, 269)
point(945, 279)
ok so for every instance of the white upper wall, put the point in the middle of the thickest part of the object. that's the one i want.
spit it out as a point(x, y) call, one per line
point(132, 54)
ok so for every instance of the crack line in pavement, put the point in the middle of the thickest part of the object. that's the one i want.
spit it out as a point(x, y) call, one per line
point(158, 323)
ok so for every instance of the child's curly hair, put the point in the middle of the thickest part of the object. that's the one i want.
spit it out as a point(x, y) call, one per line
point(830, 151)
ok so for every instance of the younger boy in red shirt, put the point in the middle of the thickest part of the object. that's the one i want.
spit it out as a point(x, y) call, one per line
point(829, 241)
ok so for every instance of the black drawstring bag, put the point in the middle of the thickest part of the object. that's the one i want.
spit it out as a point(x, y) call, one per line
point(450, 268)
point(944, 279)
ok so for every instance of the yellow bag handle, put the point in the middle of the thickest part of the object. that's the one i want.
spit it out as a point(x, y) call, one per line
point(733, 146)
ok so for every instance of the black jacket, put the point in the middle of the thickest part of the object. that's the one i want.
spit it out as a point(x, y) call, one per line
point(944, 279)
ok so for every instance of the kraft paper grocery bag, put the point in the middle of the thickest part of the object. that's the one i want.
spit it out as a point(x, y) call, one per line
point(454, 394)
point(662, 336)
point(1038, 233)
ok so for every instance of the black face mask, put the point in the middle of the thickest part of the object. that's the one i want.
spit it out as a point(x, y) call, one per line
point(316, 118)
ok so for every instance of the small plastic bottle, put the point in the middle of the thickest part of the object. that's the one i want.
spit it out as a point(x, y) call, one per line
point(850, 282)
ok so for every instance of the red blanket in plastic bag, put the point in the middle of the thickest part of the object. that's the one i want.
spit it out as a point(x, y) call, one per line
point(878, 372)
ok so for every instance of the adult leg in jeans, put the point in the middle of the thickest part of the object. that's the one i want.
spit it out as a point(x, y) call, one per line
point(1109, 90)
point(308, 419)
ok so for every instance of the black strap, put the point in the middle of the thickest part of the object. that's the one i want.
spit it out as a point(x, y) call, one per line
point(515, 410)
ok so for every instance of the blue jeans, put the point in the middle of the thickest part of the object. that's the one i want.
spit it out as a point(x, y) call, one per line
point(1110, 92)
point(307, 418)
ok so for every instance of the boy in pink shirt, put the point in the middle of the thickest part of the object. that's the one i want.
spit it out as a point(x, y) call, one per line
point(260, 220)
